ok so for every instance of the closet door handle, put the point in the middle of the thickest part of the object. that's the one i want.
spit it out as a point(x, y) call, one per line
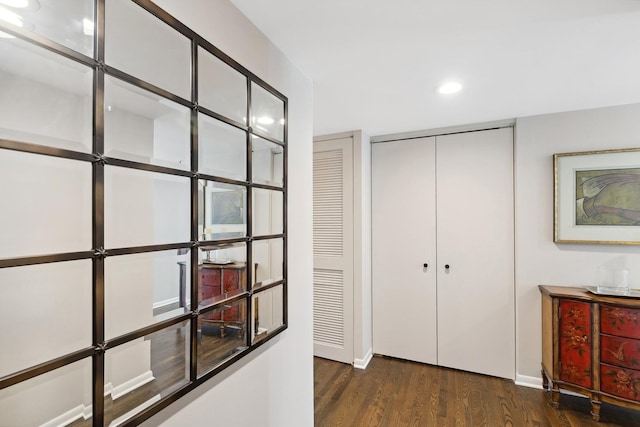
point(446, 266)
point(425, 265)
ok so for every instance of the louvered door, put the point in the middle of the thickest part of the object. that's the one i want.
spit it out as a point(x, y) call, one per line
point(333, 250)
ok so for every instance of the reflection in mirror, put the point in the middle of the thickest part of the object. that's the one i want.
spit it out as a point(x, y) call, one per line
point(221, 88)
point(146, 288)
point(268, 313)
point(45, 99)
point(267, 212)
point(267, 162)
point(68, 22)
point(222, 212)
point(222, 149)
point(145, 208)
point(144, 127)
point(63, 396)
point(47, 329)
point(46, 208)
point(140, 373)
point(221, 334)
point(222, 272)
point(139, 44)
point(268, 261)
point(267, 113)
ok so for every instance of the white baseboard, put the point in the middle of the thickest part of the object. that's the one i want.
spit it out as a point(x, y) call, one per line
point(165, 302)
point(362, 363)
point(68, 417)
point(128, 386)
point(527, 381)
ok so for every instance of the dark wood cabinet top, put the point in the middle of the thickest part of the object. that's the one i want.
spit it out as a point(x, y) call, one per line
point(580, 293)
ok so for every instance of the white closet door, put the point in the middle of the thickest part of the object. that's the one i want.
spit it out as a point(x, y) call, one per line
point(403, 216)
point(476, 239)
point(333, 249)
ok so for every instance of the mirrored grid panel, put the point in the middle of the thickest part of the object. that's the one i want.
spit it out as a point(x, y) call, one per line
point(37, 322)
point(221, 334)
point(145, 208)
point(267, 113)
point(267, 162)
point(144, 127)
point(68, 22)
point(268, 261)
point(46, 209)
point(45, 99)
point(221, 88)
point(268, 312)
point(141, 372)
point(63, 396)
point(222, 149)
point(267, 212)
point(222, 272)
point(139, 44)
point(222, 210)
point(146, 288)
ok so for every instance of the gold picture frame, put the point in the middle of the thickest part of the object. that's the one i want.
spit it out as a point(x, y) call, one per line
point(597, 197)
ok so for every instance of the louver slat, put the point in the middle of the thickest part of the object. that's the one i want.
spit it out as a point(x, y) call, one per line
point(328, 309)
point(327, 203)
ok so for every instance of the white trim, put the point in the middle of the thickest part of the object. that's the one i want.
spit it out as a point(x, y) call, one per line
point(340, 135)
point(165, 302)
point(362, 363)
point(121, 419)
point(67, 418)
point(527, 381)
point(443, 131)
point(128, 386)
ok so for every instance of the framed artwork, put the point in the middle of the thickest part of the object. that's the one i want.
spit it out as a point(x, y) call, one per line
point(597, 197)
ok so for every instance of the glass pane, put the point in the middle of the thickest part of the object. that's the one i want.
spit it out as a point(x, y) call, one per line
point(138, 43)
point(267, 113)
point(145, 208)
point(47, 207)
point(268, 312)
point(63, 396)
point(222, 272)
point(68, 22)
point(221, 88)
point(144, 127)
point(143, 289)
point(222, 211)
point(45, 99)
point(267, 212)
point(140, 373)
point(268, 261)
point(267, 162)
point(221, 334)
point(222, 149)
point(38, 295)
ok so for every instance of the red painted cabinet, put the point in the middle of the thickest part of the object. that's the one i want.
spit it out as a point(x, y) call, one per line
point(575, 342)
point(591, 346)
point(217, 283)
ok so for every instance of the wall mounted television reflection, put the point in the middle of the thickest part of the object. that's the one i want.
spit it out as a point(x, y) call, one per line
point(163, 259)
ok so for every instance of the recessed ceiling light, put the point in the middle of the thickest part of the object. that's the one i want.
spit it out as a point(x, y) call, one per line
point(15, 3)
point(265, 120)
point(12, 18)
point(449, 88)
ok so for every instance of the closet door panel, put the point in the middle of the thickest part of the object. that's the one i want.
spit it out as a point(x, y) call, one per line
point(403, 224)
point(475, 229)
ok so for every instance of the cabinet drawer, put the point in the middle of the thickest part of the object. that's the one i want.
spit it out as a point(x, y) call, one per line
point(619, 351)
point(620, 382)
point(622, 322)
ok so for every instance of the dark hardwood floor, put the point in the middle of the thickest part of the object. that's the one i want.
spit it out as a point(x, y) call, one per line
point(395, 393)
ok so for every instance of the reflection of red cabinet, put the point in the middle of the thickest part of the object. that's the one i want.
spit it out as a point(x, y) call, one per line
point(217, 283)
point(591, 345)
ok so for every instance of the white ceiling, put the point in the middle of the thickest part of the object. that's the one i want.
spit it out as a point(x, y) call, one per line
point(375, 64)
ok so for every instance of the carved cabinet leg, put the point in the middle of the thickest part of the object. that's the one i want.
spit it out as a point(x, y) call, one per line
point(595, 409)
point(555, 397)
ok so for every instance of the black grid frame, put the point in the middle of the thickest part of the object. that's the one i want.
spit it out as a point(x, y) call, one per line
point(99, 254)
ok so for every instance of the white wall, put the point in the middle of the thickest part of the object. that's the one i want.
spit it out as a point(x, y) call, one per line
point(273, 386)
point(538, 259)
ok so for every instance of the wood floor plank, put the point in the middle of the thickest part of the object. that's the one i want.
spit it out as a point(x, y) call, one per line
point(398, 393)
